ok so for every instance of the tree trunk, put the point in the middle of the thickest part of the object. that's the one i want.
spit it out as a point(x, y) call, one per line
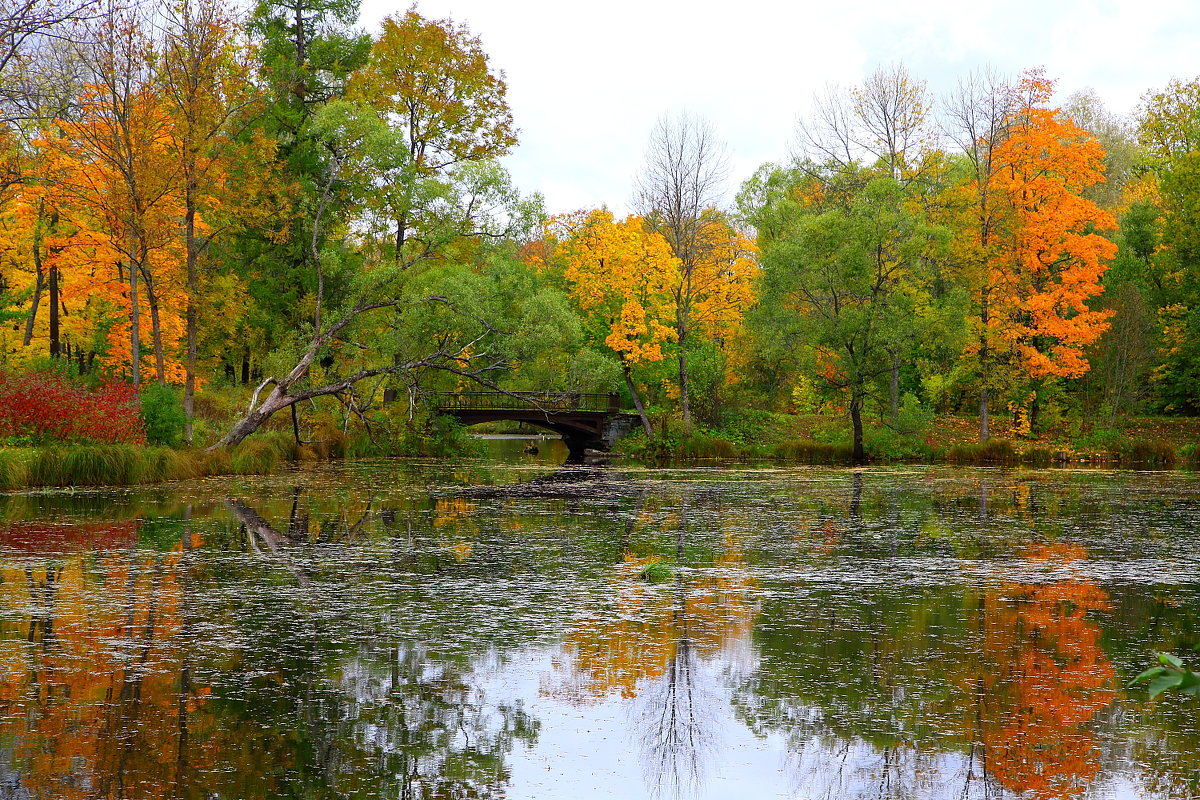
point(38, 286)
point(160, 366)
point(248, 424)
point(681, 329)
point(55, 342)
point(637, 399)
point(983, 414)
point(895, 387)
point(135, 349)
point(193, 292)
point(856, 403)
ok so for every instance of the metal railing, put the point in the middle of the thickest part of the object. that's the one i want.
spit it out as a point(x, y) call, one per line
point(525, 401)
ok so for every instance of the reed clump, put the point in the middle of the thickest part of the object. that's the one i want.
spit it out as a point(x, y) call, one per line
point(125, 465)
point(1145, 452)
point(698, 445)
point(993, 451)
point(14, 469)
point(811, 452)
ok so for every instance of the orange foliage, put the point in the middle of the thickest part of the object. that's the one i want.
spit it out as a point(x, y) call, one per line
point(1050, 261)
point(1051, 676)
point(623, 273)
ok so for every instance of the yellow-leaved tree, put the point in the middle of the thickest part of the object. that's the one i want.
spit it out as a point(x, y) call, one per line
point(622, 276)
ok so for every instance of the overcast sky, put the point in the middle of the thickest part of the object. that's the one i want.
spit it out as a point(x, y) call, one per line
point(588, 80)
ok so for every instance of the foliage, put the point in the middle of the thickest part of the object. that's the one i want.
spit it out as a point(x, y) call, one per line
point(44, 407)
point(162, 414)
point(1170, 675)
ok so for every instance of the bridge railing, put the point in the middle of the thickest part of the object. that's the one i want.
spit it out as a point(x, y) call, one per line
point(524, 401)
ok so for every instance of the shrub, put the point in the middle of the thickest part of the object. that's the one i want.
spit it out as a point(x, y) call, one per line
point(44, 407)
point(162, 415)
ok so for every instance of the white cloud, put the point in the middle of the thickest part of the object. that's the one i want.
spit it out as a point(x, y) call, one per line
point(587, 81)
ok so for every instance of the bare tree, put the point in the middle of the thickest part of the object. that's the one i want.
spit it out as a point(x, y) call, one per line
point(977, 116)
point(24, 24)
point(684, 176)
point(886, 120)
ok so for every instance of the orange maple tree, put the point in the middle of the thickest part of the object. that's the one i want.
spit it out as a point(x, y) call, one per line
point(1050, 260)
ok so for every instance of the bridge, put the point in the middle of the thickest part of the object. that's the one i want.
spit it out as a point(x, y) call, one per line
point(584, 420)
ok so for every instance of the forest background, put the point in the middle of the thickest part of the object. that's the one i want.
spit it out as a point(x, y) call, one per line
point(213, 223)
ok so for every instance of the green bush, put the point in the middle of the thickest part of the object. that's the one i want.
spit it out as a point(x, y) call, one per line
point(162, 414)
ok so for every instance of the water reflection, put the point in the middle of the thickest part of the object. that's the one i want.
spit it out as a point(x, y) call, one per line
point(378, 630)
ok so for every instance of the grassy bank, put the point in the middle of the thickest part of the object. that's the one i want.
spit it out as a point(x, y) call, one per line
point(813, 439)
point(127, 465)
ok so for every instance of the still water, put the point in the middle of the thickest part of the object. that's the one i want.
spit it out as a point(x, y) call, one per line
point(483, 629)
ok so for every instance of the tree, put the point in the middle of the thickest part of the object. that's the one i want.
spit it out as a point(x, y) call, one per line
point(977, 117)
point(1031, 255)
point(431, 81)
point(384, 301)
point(113, 160)
point(622, 274)
point(684, 176)
point(1049, 261)
point(1170, 132)
point(209, 91)
point(841, 263)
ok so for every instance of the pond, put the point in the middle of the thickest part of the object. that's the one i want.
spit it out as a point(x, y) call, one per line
point(493, 628)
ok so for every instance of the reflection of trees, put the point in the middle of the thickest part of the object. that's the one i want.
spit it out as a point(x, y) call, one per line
point(885, 694)
point(1045, 677)
point(86, 698)
point(657, 644)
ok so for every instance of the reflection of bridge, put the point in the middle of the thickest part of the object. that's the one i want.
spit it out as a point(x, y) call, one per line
point(584, 420)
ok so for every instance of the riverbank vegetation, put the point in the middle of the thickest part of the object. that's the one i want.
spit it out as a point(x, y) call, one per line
point(268, 225)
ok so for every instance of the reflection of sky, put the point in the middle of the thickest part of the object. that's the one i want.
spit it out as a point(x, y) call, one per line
point(594, 750)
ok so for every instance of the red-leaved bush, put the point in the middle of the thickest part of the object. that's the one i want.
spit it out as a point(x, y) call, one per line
point(46, 407)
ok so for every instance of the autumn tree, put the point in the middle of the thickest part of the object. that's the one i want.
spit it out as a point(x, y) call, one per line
point(394, 304)
point(1031, 255)
point(622, 274)
point(976, 119)
point(209, 92)
point(112, 160)
point(1049, 260)
point(431, 82)
point(684, 176)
